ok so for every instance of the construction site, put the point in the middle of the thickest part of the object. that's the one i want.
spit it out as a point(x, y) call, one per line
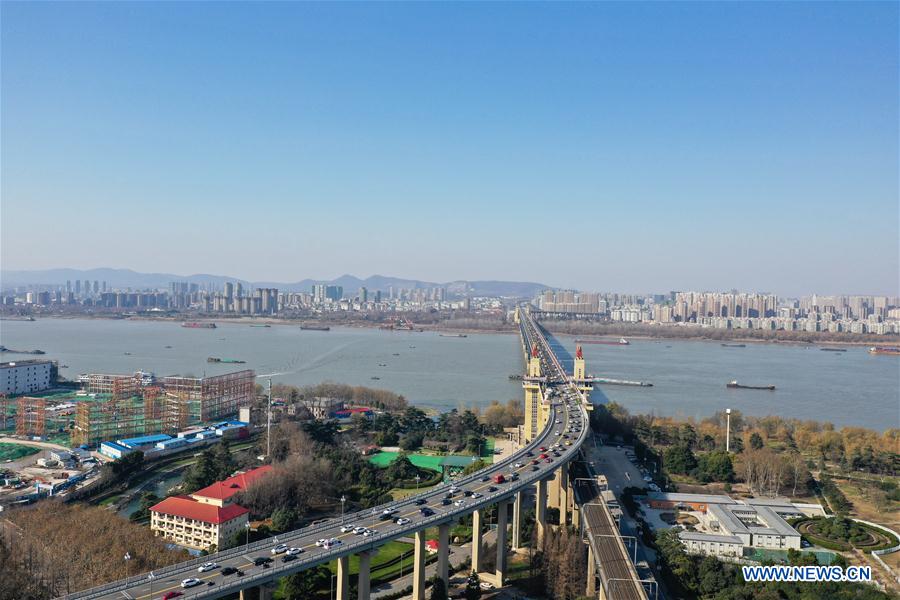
point(111, 407)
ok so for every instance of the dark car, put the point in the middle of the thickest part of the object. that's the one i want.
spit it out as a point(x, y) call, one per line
point(467, 493)
point(288, 558)
point(426, 512)
point(486, 478)
point(420, 501)
point(535, 467)
point(446, 501)
point(386, 517)
point(229, 571)
point(493, 488)
point(261, 560)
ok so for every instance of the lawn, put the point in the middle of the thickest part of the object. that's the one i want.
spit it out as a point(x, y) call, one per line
point(423, 461)
point(15, 451)
point(385, 564)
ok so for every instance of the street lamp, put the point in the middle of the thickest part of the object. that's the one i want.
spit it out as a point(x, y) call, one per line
point(727, 429)
point(127, 558)
point(343, 499)
point(418, 477)
point(247, 528)
point(151, 577)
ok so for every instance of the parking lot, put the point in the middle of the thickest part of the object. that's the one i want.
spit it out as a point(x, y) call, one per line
point(619, 471)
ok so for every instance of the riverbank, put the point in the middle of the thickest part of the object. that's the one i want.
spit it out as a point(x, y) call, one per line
point(559, 328)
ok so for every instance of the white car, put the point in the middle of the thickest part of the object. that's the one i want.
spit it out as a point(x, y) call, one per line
point(294, 551)
point(369, 533)
point(389, 511)
point(346, 528)
point(402, 521)
point(459, 502)
point(453, 489)
point(359, 530)
point(279, 549)
point(207, 567)
point(476, 495)
point(486, 585)
point(518, 465)
point(190, 582)
point(334, 541)
point(321, 542)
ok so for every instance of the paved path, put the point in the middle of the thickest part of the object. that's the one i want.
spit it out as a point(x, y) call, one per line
point(45, 445)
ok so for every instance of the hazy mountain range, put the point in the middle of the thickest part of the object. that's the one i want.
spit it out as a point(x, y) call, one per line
point(126, 278)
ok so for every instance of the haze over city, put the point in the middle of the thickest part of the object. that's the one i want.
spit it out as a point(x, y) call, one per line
point(594, 146)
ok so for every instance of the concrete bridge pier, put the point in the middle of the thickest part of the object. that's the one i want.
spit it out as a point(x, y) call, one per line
point(500, 572)
point(540, 511)
point(443, 563)
point(419, 566)
point(343, 578)
point(517, 521)
point(562, 479)
point(591, 586)
point(477, 517)
point(365, 574)
point(259, 592)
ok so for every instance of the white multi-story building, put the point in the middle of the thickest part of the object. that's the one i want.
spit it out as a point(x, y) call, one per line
point(208, 517)
point(24, 376)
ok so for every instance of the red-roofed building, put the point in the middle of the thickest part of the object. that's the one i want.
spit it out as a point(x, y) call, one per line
point(207, 517)
point(220, 492)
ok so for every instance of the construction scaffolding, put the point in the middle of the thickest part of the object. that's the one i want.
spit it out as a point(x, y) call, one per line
point(105, 417)
point(194, 400)
point(113, 407)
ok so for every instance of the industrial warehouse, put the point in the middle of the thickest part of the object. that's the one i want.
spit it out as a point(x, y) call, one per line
point(111, 407)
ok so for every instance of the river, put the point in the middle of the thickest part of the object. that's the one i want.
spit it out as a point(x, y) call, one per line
point(846, 388)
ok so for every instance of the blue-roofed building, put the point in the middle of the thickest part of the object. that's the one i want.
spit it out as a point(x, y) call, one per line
point(171, 444)
point(114, 450)
point(147, 440)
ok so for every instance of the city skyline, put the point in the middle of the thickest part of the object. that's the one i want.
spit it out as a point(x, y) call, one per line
point(29, 278)
point(683, 146)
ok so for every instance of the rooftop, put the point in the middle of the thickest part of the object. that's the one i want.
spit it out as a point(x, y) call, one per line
point(222, 490)
point(676, 497)
point(709, 537)
point(144, 440)
point(23, 363)
point(188, 508)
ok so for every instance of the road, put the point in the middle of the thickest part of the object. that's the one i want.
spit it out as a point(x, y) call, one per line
point(567, 427)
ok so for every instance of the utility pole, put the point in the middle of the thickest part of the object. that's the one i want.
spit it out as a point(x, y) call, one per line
point(269, 421)
point(727, 429)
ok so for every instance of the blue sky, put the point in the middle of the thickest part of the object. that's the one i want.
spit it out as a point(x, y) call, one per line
point(639, 147)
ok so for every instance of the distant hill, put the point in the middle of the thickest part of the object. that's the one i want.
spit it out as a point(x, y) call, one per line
point(126, 278)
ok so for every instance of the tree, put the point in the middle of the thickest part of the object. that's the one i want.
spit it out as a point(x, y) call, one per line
point(412, 441)
point(715, 466)
point(756, 441)
point(283, 519)
point(306, 584)
point(473, 587)
point(202, 473)
point(679, 459)
point(438, 589)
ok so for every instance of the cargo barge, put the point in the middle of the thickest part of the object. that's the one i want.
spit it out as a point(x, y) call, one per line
point(734, 345)
point(456, 335)
point(231, 361)
point(315, 328)
point(619, 342)
point(196, 325)
point(890, 350)
point(833, 349)
point(737, 386)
